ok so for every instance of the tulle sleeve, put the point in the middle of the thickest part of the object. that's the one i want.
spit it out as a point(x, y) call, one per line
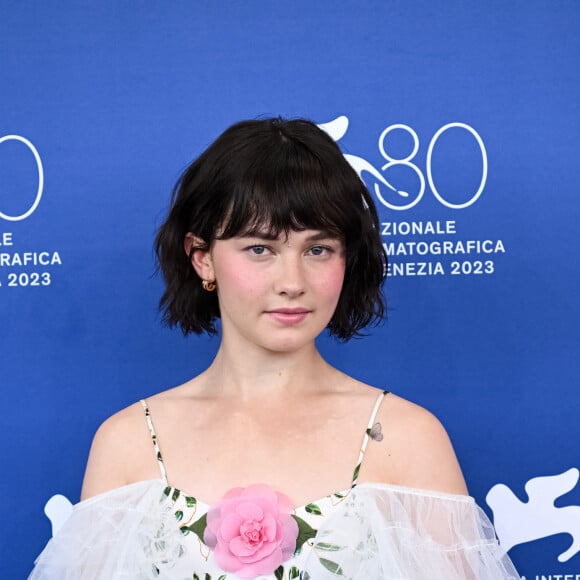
point(123, 534)
point(405, 534)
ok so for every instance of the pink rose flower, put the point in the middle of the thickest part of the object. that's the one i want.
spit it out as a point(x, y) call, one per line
point(251, 530)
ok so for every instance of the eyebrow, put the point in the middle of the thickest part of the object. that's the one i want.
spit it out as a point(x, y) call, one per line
point(257, 234)
point(264, 235)
point(323, 235)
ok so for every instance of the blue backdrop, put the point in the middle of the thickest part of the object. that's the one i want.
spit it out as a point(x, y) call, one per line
point(464, 121)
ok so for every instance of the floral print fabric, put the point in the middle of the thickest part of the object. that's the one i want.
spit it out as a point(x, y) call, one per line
point(190, 514)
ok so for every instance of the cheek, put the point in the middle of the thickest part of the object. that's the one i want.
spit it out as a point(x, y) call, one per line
point(330, 284)
point(235, 277)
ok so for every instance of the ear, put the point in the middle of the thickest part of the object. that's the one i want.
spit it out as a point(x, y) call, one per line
point(200, 258)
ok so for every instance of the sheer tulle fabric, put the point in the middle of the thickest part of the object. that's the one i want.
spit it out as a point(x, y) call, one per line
point(378, 532)
point(127, 533)
point(397, 533)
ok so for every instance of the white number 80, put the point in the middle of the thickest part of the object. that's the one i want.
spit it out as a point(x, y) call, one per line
point(406, 161)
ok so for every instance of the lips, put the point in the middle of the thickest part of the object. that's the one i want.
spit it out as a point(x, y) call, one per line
point(288, 315)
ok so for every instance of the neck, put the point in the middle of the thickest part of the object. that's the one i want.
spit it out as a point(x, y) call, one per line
point(254, 374)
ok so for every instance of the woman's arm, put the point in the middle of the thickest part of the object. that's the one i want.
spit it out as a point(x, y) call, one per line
point(415, 450)
point(117, 453)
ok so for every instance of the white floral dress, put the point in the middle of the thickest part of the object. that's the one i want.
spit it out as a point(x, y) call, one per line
point(152, 531)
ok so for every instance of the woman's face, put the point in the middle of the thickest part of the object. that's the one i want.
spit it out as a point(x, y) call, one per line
point(277, 294)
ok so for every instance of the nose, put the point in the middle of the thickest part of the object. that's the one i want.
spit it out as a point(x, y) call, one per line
point(290, 279)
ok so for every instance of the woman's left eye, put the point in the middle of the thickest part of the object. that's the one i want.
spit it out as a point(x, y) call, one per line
point(320, 250)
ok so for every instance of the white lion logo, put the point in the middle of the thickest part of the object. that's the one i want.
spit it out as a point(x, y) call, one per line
point(58, 509)
point(518, 522)
point(336, 129)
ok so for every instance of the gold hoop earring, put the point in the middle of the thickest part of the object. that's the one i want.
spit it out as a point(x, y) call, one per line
point(208, 285)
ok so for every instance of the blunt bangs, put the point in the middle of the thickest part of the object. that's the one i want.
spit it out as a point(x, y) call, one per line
point(283, 184)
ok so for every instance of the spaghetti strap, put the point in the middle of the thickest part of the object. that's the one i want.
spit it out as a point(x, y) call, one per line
point(154, 440)
point(369, 433)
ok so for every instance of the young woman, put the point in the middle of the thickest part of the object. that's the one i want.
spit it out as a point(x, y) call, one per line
point(273, 464)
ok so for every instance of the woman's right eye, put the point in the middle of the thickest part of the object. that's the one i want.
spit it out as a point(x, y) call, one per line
point(257, 250)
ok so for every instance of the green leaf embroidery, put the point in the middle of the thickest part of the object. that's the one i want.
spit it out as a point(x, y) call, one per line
point(294, 573)
point(355, 474)
point(339, 495)
point(328, 547)
point(195, 576)
point(279, 573)
point(207, 576)
point(305, 532)
point(175, 495)
point(167, 491)
point(190, 501)
point(312, 508)
point(223, 577)
point(332, 566)
point(198, 527)
point(178, 515)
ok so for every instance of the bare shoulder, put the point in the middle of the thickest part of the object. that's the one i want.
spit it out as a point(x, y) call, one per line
point(415, 450)
point(120, 453)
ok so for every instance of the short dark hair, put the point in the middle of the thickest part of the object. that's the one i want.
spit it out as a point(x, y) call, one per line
point(279, 175)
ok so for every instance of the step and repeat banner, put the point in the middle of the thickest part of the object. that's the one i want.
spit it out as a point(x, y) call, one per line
point(463, 119)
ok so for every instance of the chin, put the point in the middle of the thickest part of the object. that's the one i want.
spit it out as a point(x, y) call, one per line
point(289, 345)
